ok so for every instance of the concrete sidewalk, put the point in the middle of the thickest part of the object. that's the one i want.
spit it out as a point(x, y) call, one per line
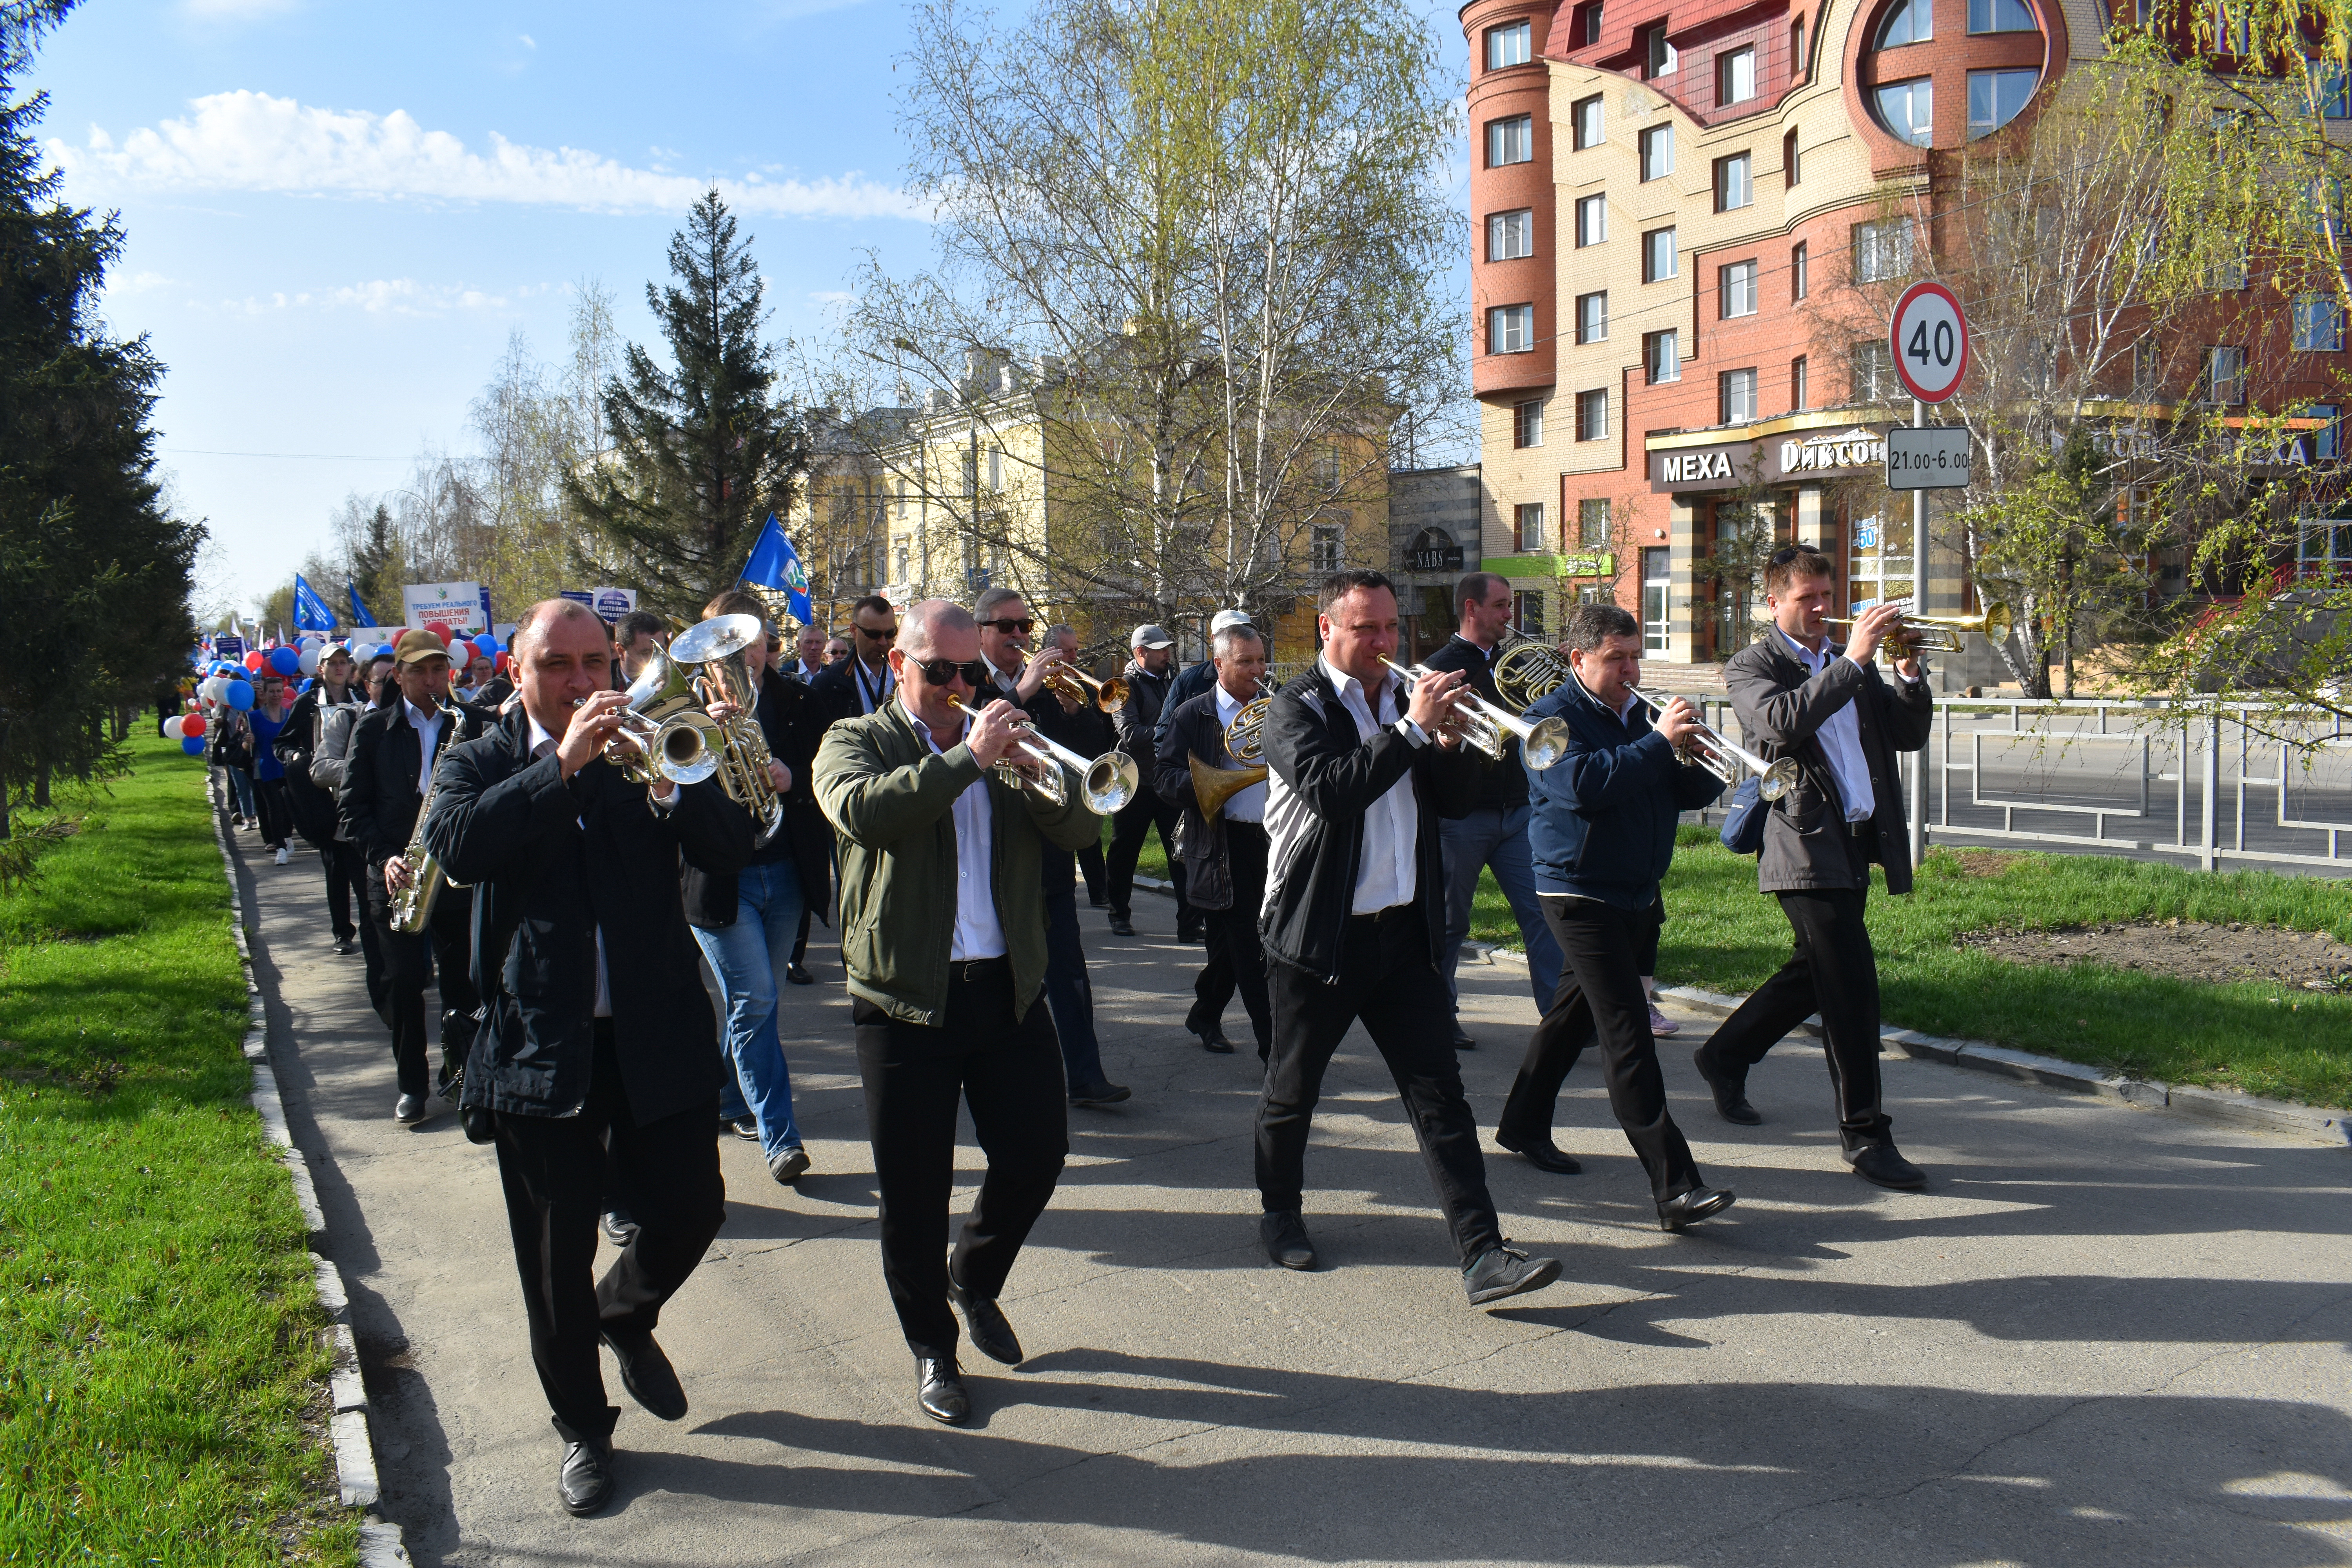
point(2105, 1336)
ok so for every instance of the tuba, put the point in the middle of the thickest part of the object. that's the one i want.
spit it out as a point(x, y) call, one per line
point(716, 647)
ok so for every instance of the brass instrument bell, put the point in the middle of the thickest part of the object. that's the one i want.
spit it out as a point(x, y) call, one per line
point(1213, 786)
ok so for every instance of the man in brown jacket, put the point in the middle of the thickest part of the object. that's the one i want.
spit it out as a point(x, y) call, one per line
point(1799, 695)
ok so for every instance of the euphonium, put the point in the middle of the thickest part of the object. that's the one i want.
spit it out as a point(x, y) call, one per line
point(412, 907)
point(717, 649)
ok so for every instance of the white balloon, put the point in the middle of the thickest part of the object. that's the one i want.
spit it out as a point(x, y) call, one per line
point(211, 689)
point(309, 661)
point(172, 728)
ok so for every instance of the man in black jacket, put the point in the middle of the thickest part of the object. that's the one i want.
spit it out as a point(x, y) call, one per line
point(313, 802)
point(1361, 772)
point(864, 681)
point(1139, 725)
point(595, 1026)
point(1799, 695)
point(394, 752)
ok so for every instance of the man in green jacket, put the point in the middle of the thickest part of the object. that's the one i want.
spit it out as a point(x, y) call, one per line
point(943, 935)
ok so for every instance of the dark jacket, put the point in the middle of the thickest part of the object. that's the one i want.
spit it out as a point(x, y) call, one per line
point(552, 863)
point(836, 691)
point(1193, 680)
point(1603, 824)
point(1139, 719)
point(1327, 780)
point(792, 725)
point(378, 805)
point(1192, 729)
point(1781, 711)
point(1503, 784)
point(1087, 731)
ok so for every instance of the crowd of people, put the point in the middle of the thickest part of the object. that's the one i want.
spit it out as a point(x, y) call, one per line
point(1324, 839)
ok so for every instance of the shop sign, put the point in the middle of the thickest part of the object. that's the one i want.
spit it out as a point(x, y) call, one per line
point(1855, 448)
point(1833, 454)
point(1432, 550)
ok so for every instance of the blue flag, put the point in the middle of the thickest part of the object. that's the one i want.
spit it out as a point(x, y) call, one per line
point(359, 617)
point(310, 612)
point(774, 563)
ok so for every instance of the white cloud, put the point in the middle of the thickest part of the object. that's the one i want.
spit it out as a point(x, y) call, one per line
point(235, 10)
point(251, 141)
point(528, 41)
point(377, 297)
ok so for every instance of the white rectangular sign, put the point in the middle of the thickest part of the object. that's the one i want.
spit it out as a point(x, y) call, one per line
point(457, 605)
point(1926, 458)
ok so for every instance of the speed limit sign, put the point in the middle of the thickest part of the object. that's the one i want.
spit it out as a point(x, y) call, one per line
point(1930, 338)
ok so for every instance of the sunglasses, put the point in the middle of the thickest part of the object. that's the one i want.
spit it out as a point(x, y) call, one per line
point(939, 671)
point(880, 634)
point(1021, 625)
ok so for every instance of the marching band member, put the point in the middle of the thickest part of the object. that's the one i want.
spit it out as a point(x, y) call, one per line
point(596, 1028)
point(1799, 695)
point(1138, 722)
point(1362, 771)
point(1603, 835)
point(943, 934)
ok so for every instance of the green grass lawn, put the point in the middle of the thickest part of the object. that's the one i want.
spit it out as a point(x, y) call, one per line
point(162, 1375)
point(2260, 1036)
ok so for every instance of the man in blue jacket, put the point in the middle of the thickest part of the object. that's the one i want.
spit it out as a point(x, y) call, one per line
point(1602, 835)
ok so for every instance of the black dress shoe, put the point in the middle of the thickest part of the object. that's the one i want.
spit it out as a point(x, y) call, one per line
point(1542, 1154)
point(989, 1332)
point(1097, 901)
point(1213, 1040)
point(1192, 935)
point(1463, 1042)
point(1690, 1207)
point(939, 1389)
point(1121, 926)
point(1103, 1093)
point(646, 1374)
point(585, 1484)
point(1730, 1094)
point(741, 1126)
point(620, 1227)
point(1504, 1271)
point(345, 948)
point(799, 976)
point(1879, 1162)
point(1284, 1237)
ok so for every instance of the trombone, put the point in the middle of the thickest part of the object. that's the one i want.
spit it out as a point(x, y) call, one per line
point(1487, 726)
point(1725, 759)
point(1938, 633)
point(664, 733)
point(1068, 681)
point(1105, 784)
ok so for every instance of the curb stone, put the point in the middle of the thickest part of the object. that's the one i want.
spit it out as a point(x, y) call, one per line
point(381, 1542)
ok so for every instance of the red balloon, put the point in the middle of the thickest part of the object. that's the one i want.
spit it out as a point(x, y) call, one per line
point(502, 661)
point(253, 659)
point(439, 630)
point(194, 724)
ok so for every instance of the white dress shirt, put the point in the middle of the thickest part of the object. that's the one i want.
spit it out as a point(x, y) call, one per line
point(807, 671)
point(1388, 871)
point(978, 932)
point(1841, 737)
point(427, 724)
point(872, 693)
point(1242, 804)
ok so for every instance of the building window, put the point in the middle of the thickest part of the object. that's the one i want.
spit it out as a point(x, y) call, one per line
point(1737, 389)
point(1873, 372)
point(1797, 50)
point(2000, 16)
point(1661, 356)
point(2147, 365)
point(1591, 34)
point(1325, 547)
point(1658, 57)
point(1735, 77)
point(2225, 376)
point(1592, 416)
point(1908, 109)
point(996, 468)
point(1797, 278)
point(1592, 523)
point(1526, 422)
point(1798, 400)
point(1511, 141)
point(1910, 22)
point(1527, 526)
point(1881, 251)
point(1511, 236)
point(1739, 289)
point(902, 498)
point(1592, 318)
point(1510, 329)
point(1735, 185)
point(2331, 88)
point(1592, 220)
point(1527, 611)
point(970, 471)
point(1584, 122)
point(2326, 547)
point(1657, 254)
point(2319, 324)
point(1509, 45)
point(1996, 97)
point(1790, 171)
point(1657, 149)
point(2328, 441)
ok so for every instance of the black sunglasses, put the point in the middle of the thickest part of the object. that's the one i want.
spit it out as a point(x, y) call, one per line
point(939, 671)
point(880, 634)
point(1021, 625)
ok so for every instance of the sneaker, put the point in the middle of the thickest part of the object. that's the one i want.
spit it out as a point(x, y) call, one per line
point(1504, 1271)
point(1662, 1025)
point(284, 854)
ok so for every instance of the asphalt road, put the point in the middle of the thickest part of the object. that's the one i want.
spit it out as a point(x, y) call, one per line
point(2104, 1336)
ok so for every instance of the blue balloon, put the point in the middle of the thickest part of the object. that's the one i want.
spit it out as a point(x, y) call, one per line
point(194, 745)
point(285, 661)
point(240, 696)
point(487, 646)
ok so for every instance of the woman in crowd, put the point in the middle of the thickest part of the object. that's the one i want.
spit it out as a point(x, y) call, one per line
point(269, 718)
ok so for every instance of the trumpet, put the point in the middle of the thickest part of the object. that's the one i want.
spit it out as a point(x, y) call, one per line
point(1938, 633)
point(664, 733)
point(1488, 727)
point(1528, 670)
point(1725, 758)
point(1106, 783)
point(1068, 681)
point(716, 647)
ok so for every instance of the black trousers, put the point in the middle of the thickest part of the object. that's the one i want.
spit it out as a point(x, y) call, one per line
point(1090, 866)
point(1008, 1070)
point(553, 1171)
point(441, 950)
point(346, 874)
point(1833, 972)
point(1236, 957)
point(1600, 993)
point(277, 812)
point(1387, 980)
point(1653, 924)
point(1128, 831)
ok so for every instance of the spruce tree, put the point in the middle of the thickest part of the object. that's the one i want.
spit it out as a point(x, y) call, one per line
point(376, 569)
point(703, 451)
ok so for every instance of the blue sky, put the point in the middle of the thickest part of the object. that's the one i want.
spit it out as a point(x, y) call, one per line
point(337, 212)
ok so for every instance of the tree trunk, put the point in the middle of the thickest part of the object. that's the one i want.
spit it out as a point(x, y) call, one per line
point(41, 786)
point(5, 828)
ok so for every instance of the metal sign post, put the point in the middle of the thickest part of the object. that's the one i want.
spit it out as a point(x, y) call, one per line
point(1930, 334)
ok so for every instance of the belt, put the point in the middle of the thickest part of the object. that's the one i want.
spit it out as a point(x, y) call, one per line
point(1381, 916)
point(1235, 824)
point(973, 970)
point(1865, 828)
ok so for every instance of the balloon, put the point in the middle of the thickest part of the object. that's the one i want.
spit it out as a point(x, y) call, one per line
point(253, 659)
point(487, 646)
point(192, 746)
point(502, 661)
point(314, 640)
point(194, 724)
point(173, 728)
point(310, 662)
point(240, 696)
point(285, 661)
point(439, 629)
point(212, 688)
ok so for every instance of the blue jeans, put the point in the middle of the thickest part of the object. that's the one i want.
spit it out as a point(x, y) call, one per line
point(240, 784)
point(748, 957)
point(1491, 835)
point(1069, 994)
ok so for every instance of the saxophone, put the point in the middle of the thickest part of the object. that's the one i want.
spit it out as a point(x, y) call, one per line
point(412, 907)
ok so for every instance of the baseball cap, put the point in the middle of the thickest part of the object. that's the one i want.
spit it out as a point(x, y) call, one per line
point(1224, 618)
point(415, 646)
point(1148, 636)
